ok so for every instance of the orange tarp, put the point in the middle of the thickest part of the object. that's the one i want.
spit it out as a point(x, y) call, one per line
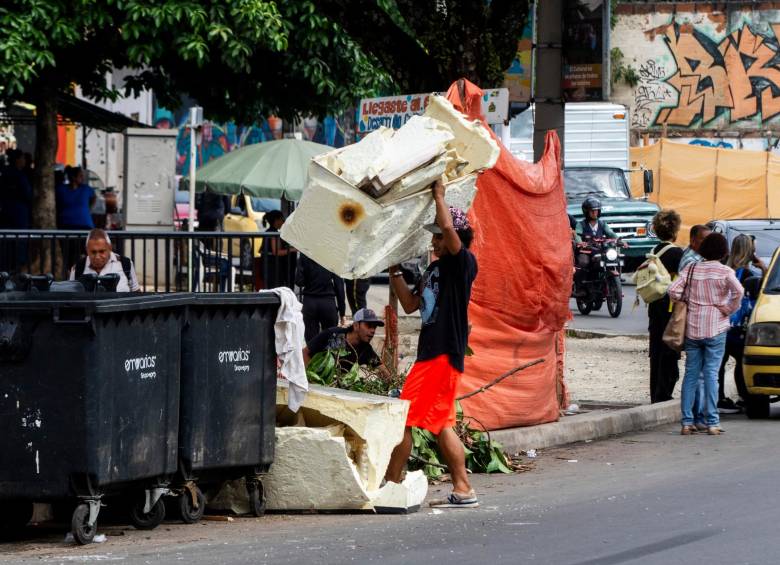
point(520, 298)
point(705, 183)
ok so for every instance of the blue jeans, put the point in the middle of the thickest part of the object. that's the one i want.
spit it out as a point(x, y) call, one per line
point(702, 358)
point(698, 403)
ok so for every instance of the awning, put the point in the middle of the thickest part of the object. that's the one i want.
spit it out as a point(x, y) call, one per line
point(72, 110)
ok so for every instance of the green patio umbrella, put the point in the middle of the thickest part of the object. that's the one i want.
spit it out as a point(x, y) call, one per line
point(272, 169)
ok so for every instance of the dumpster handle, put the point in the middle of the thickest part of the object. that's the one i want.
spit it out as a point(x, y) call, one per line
point(85, 320)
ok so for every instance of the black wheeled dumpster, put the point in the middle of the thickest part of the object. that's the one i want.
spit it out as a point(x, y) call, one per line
point(228, 396)
point(89, 402)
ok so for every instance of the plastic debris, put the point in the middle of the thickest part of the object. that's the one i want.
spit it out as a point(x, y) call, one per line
point(99, 538)
point(531, 453)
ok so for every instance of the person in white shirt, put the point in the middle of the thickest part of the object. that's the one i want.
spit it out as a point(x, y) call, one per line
point(101, 260)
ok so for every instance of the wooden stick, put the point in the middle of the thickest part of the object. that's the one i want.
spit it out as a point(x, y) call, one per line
point(494, 382)
point(212, 518)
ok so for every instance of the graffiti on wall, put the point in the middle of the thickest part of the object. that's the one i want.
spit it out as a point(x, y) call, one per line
point(220, 138)
point(651, 91)
point(737, 78)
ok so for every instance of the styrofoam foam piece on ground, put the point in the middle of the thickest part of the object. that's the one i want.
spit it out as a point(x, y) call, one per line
point(401, 497)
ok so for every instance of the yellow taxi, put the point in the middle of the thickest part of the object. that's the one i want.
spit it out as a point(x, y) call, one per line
point(246, 215)
point(761, 361)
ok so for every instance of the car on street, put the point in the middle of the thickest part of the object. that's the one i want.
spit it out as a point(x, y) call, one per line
point(766, 234)
point(761, 360)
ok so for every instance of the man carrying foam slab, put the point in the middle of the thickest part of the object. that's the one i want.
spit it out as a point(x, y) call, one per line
point(443, 299)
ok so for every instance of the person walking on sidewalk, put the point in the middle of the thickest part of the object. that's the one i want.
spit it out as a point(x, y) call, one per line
point(712, 293)
point(664, 372)
point(323, 297)
point(442, 298)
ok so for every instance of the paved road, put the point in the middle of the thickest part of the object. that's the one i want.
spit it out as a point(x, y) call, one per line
point(632, 320)
point(646, 498)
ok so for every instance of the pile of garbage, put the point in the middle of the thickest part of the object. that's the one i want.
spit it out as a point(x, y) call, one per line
point(365, 205)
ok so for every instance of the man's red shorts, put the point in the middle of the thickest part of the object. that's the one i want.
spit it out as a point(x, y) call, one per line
point(431, 387)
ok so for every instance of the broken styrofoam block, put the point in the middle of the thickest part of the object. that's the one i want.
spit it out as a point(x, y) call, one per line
point(355, 235)
point(401, 498)
point(373, 425)
point(312, 471)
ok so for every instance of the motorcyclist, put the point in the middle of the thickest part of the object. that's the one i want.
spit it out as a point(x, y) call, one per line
point(589, 228)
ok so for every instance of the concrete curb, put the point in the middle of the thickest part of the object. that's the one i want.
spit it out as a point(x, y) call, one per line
point(593, 425)
point(589, 334)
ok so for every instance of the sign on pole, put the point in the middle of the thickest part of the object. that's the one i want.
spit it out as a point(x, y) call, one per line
point(395, 111)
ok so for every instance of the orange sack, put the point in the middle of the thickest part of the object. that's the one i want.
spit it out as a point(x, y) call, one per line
point(520, 299)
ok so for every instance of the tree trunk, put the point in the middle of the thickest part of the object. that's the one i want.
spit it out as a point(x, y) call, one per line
point(44, 209)
point(44, 204)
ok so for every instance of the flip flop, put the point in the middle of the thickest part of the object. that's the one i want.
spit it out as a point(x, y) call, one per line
point(455, 500)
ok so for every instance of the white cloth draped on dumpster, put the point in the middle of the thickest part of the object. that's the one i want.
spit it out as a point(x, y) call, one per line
point(290, 341)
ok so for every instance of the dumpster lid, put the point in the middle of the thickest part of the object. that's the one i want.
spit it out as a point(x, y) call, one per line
point(106, 302)
point(231, 298)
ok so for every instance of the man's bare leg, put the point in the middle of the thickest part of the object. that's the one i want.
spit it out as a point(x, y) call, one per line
point(455, 456)
point(399, 458)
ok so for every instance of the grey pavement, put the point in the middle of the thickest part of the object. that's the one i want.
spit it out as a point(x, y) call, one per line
point(632, 320)
point(651, 497)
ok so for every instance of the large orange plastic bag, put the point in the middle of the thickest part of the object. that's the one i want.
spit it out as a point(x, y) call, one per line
point(355, 235)
point(520, 298)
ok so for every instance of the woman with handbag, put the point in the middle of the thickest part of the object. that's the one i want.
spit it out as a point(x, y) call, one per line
point(710, 293)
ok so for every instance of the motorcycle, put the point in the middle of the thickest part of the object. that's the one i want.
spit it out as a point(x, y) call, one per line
point(599, 281)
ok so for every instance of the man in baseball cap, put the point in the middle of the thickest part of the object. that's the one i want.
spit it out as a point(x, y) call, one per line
point(354, 340)
point(442, 299)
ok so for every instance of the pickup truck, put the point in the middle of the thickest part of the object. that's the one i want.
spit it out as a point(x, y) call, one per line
point(631, 219)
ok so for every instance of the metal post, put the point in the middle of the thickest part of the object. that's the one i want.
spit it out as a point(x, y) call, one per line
point(196, 118)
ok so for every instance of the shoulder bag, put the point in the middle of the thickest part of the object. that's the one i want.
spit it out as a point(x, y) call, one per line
point(674, 334)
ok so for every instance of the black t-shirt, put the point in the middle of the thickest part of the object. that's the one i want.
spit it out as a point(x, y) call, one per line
point(671, 261)
point(444, 292)
point(334, 339)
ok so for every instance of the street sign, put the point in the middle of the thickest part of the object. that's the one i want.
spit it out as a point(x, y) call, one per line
point(395, 111)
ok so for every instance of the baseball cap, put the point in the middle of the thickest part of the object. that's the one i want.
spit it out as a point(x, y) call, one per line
point(368, 316)
point(459, 221)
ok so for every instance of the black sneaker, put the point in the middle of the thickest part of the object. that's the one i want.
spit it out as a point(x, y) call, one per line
point(727, 406)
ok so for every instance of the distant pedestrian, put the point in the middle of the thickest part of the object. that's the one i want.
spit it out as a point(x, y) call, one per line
point(357, 293)
point(323, 297)
point(74, 201)
point(664, 372)
point(278, 258)
point(712, 294)
point(742, 259)
point(211, 209)
point(16, 198)
point(15, 193)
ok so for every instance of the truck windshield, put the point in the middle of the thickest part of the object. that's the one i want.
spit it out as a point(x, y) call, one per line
point(580, 183)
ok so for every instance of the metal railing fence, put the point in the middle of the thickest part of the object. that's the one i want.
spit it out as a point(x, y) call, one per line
point(164, 261)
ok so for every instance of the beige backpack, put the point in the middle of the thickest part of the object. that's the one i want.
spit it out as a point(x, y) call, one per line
point(651, 278)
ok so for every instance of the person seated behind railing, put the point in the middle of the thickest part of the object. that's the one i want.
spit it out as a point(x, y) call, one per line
point(101, 260)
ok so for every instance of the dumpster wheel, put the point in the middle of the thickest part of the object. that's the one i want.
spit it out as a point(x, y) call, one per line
point(83, 533)
point(192, 504)
point(144, 521)
point(254, 488)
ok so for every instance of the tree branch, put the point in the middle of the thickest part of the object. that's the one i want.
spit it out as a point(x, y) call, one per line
point(497, 380)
